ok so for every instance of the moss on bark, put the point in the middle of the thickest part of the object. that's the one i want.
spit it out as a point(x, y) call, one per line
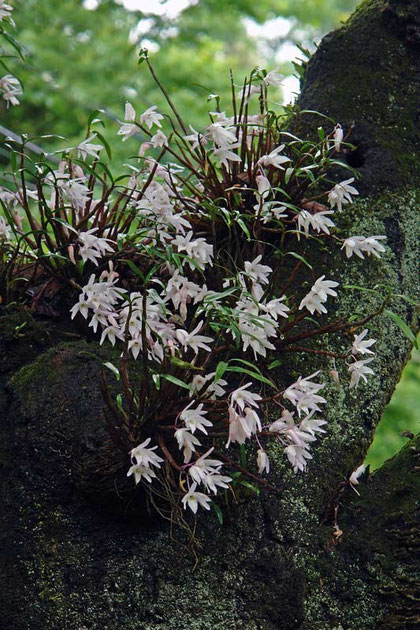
point(366, 76)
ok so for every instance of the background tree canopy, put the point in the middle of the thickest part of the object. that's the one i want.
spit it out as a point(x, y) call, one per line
point(82, 55)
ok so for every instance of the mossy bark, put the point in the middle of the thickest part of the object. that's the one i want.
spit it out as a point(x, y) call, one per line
point(313, 556)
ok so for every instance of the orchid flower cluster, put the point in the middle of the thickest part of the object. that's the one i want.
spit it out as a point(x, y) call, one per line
point(10, 86)
point(195, 266)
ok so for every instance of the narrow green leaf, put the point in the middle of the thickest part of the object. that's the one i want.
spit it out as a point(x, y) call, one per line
point(355, 286)
point(406, 299)
point(218, 512)
point(250, 487)
point(105, 143)
point(255, 375)
point(175, 380)
point(134, 268)
point(288, 174)
point(93, 115)
point(184, 364)
point(244, 228)
point(299, 257)
point(402, 326)
point(220, 370)
point(113, 369)
point(119, 402)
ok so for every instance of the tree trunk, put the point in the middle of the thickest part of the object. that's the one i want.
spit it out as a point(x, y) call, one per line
point(314, 555)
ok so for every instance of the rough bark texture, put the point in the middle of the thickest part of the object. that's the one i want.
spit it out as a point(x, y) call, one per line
point(82, 560)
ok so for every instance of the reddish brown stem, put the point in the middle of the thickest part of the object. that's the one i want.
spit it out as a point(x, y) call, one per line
point(167, 453)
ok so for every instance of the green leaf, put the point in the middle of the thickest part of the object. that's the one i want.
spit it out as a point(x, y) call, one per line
point(13, 42)
point(248, 363)
point(220, 370)
point(312, 111)
point(105, 143)
point(244, 228)
point(250, 487)
point(65, 223)
point(175, 381)
point(218, 511)
point(113, 369)
point(184, 364)
point(288, 174)
point(355, 286)
point(93, 115)
point(402, 326)
point(119, 402)
point(406, 299)
point(255, 375)
point(299, 257)
point(134, 268)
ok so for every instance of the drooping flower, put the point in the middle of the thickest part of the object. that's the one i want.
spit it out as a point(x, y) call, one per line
point(206, 386)
point(187, 441)
point(159, 140)
point(318, 294)
point(212, 482)
point(194, 499)
point(238, 428)
point(151, 117)
point(222, 137)
point(354, 477)
point(354, 245)
point(263, 462)
point(274, 78)
point(194, 341)
point(196, 138)
point(338, 137)
point(304, 394)
point(203, 466)
point(297, 456)
point(242, 397)
point(358, 370)
point(226, 155)
point(341, 194)
point(321, 222)
point(141, 454)
point(129, 112)
point(371, 245)
point(257, 272)
point(361, 244)
point(92, 247)
point(141, 470)
point(86, 148)
point(5, 10)
point(194, 418)
point(4, 229)
point(362, 347)
point(11, 88)
point(274, 158)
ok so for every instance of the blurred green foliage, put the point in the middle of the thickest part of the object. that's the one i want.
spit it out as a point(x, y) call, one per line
point(83, 59)
point(402, 414)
